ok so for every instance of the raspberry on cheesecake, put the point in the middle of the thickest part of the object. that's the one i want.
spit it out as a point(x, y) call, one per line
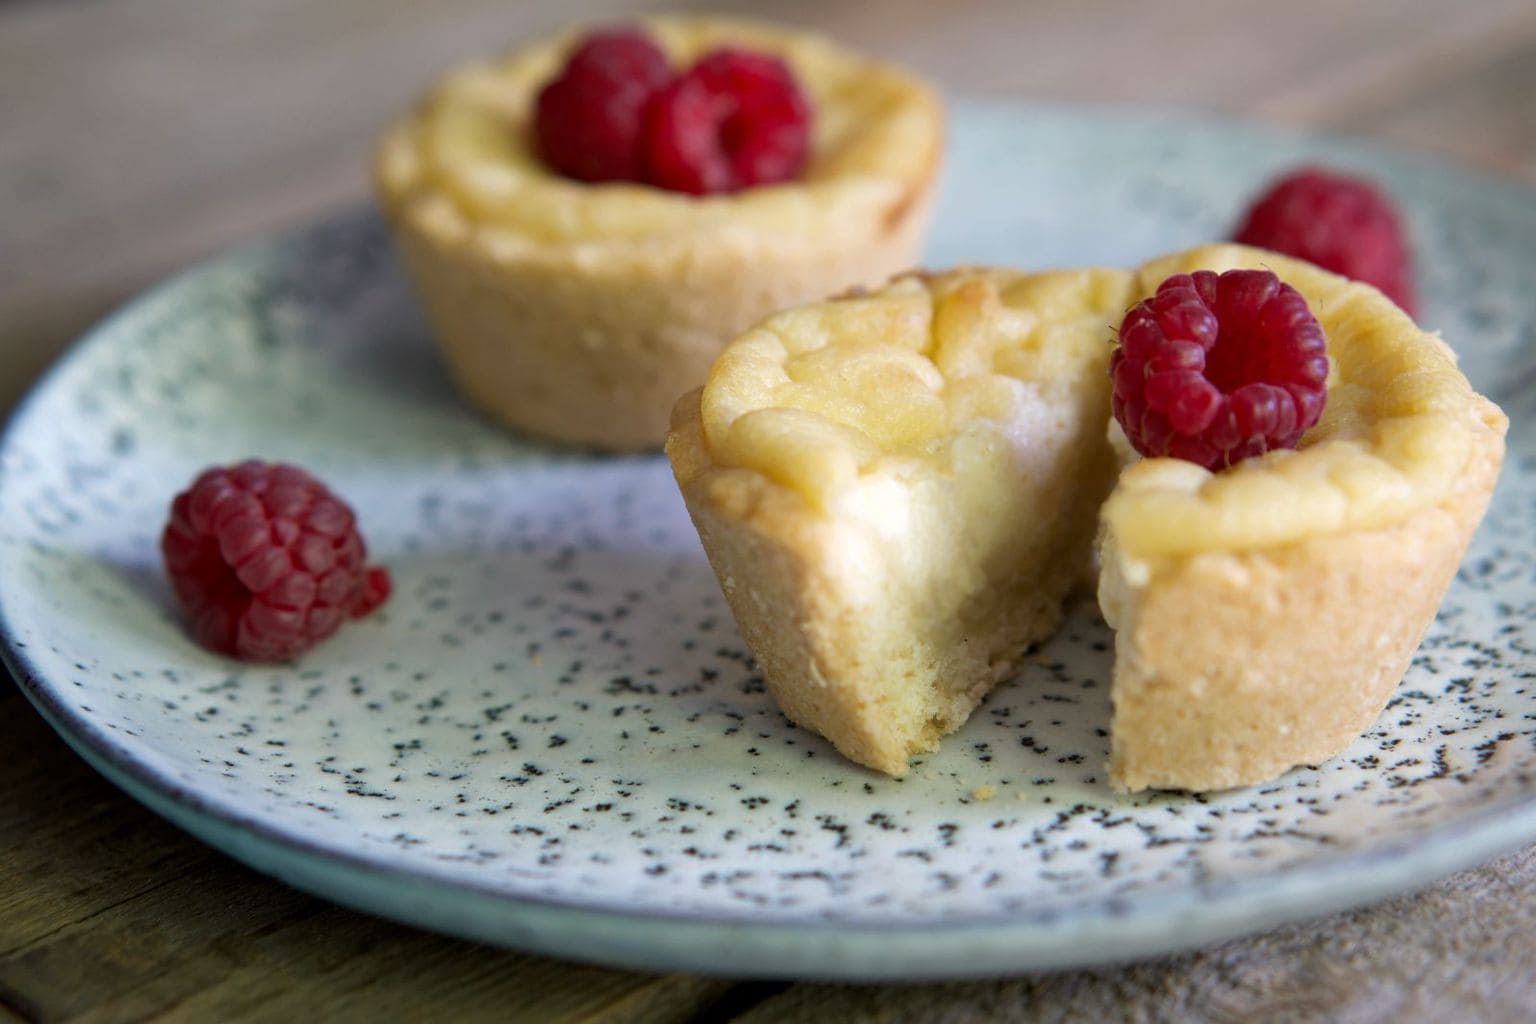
point(734, 120)
point(620, 112)
point(1214, 369)
point(588, 121)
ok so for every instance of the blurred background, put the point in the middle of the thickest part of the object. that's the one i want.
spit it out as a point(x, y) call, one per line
point(139, 135)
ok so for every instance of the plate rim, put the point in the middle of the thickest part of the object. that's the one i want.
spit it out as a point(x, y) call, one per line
point(989, 946)
point(975, 946)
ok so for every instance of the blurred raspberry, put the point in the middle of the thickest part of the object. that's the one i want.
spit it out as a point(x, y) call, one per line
point(587, 122)
point(734, 120)
point(1340, 223)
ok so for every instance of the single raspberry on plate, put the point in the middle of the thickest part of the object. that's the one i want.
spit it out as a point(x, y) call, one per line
point(733, 120)
point(587, 122)
point(1341, 223)
point(267, 561)
point(1216, 369)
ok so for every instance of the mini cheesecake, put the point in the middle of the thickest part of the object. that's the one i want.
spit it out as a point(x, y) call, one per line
point(1264, 614)
point(579, 312)
point(898, 492)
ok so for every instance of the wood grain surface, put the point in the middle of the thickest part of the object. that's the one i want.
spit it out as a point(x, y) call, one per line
point(140, 135)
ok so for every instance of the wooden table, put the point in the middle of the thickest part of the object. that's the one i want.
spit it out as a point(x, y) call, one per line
point(138, 136)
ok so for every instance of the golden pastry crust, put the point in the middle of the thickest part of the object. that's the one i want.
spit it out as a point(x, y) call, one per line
point(580, 312)
point(1247, 641)
point(1233, 667)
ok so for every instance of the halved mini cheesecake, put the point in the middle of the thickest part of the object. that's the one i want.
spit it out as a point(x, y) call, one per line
point(1264, 614)
point(898, 491)
point(579, 311)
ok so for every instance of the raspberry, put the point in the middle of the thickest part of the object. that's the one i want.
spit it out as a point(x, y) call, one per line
point(1342, 224)
point(267, 561)
point(733, 120)
point(587, 122)
point(1219, 369)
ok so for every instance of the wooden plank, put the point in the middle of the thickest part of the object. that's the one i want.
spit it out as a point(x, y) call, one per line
point(1459, 951)
point(1347, 78)
point(109, 914)
point(1467, 117)
point(198, 125)
point(203, 124)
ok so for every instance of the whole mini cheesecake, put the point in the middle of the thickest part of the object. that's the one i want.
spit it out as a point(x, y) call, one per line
point(898, 491)
point(579, 310)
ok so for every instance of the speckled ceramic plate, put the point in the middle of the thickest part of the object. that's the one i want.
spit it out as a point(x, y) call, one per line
point(553, 738)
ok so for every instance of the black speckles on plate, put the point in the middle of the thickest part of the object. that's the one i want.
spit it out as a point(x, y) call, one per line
point(556, 707)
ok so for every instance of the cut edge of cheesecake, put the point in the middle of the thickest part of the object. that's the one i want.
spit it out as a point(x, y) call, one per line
point(851, 656)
